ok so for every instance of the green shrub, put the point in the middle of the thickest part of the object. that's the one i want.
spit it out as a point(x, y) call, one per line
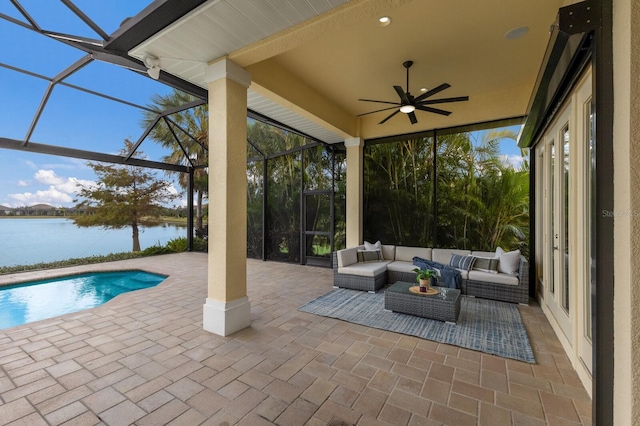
point(156, 249)
point(174, 246)
point(177, 245)
point(200, 244)
point(71, 262)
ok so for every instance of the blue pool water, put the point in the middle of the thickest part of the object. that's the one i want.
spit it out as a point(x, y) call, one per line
point(36, 300)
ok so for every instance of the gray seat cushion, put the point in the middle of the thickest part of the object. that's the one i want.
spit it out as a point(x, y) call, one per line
point(400, 266)
point(368, 269)
point(494, 278)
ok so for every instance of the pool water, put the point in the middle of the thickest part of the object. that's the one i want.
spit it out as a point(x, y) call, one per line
point(36, 300)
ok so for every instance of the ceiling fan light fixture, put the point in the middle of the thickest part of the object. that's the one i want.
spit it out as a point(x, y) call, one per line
point(407, 109)
point(383, 21)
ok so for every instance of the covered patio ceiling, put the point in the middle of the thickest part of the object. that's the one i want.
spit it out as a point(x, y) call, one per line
point(312, 60)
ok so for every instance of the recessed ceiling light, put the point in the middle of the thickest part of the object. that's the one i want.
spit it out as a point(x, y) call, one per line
point(423, 89)
point(516, 33)
point(384, 21)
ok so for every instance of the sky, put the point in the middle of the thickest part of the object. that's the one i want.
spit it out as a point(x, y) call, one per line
point(73, 118)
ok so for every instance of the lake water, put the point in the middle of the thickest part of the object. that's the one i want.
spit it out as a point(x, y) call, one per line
point(30, 241)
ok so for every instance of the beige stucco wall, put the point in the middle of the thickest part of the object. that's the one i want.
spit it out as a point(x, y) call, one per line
point(355, 167)
point(227, 190)
point(626, 139)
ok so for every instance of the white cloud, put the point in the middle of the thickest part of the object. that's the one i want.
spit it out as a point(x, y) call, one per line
point(61, 190)
point(68, 185)
point(22, 183)
point(50, 196)
point(31, 164)
point(73, 185)
point(512, 160)
point(48, 177)
point(171, 189)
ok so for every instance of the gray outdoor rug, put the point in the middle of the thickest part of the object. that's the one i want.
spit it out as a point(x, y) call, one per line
point(483, 325)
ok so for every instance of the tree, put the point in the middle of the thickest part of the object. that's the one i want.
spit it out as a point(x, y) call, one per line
point(482, 202)
point(122, 197)
point(186, 149)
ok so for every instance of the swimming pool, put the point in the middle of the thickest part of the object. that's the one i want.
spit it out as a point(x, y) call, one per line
point(35, 300)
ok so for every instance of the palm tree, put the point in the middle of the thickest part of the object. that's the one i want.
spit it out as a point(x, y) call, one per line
point(482, 201)
point(188, 149)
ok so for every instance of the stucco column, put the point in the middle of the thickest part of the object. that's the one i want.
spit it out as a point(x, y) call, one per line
point(626, 154)
point(227, 308)
point(355, 168)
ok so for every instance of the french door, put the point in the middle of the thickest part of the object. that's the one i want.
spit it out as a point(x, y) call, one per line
point(565, 176)
point(557, 289)
point(586, 220)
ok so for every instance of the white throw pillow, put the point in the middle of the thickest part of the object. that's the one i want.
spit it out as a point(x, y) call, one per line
point(377, 246)
point(509, 261)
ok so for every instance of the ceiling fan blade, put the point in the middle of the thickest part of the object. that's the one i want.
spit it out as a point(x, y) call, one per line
point(403, 96)
point(432, 92)
point(391, 115)
point(433, 110)
point(412, 117)
point(380, 102)
point(378, 110)
point(445, 100)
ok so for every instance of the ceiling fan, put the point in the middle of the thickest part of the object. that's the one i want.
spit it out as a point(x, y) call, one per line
point(408, 104)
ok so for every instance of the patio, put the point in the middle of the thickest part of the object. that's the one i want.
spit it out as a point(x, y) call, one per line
point(144, 358)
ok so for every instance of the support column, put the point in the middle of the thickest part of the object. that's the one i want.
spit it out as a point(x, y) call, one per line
point(625, 217)
point(227, 308)
point(355, 171)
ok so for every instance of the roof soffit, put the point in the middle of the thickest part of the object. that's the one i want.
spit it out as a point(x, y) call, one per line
point(342, 55)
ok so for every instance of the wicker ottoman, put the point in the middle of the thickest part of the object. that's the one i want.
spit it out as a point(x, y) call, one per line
point(444, 306)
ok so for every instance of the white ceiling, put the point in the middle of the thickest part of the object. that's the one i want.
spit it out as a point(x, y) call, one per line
point(336, 51)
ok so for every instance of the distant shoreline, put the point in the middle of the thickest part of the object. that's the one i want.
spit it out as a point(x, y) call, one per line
point(35, 217)
point(165, 219)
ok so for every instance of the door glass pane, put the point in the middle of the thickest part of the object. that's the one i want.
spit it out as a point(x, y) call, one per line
point(552, 233)
point(318, 225)
point(540, 192)
point(565, 214)
point(591, 167)
point(317, 173)
point(283, 213)
point(318, 245)
point(318, 214)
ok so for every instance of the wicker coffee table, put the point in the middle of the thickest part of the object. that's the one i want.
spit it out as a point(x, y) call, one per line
point(444, 306)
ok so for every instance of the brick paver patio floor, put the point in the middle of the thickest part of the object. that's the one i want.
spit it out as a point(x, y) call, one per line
point(143, 358)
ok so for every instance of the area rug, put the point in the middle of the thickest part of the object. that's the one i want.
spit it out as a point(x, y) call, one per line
point(483, 325)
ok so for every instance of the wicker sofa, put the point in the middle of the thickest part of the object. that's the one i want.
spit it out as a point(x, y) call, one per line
point(397, 265)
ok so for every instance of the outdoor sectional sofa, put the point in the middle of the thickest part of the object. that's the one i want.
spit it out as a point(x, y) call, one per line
point(350, 270)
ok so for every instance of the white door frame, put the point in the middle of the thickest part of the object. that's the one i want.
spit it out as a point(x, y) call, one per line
point(568, 309)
